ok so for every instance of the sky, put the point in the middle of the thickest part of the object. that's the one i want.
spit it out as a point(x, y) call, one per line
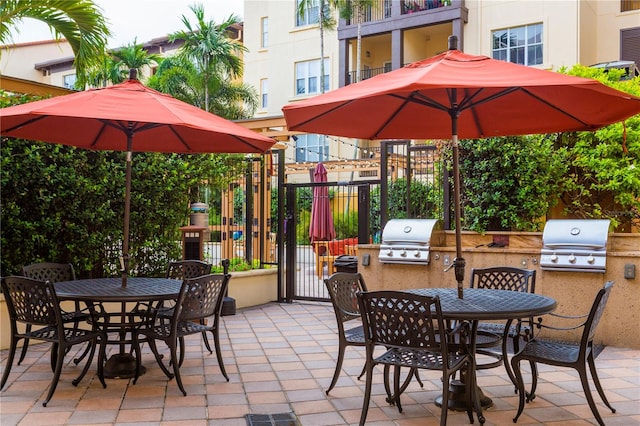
point(141, 19)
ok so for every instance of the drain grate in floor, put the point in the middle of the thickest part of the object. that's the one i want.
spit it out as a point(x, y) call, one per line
point(281, 419)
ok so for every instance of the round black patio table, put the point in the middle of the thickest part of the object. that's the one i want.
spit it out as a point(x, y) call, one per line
point(480, 304)
point(97, 291)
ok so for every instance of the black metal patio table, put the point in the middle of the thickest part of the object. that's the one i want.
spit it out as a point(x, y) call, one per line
point(97, 291)
point(480, 304)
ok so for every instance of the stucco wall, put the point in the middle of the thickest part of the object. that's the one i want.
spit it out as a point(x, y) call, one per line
point(574, 291)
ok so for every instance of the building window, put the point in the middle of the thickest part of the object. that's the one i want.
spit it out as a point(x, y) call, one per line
point(69, 81)
point(520, 45)
point(311, 13)
point(312, 148)
point(308, 77)
point(627, 5)
point(264, 39)
point(264, 92)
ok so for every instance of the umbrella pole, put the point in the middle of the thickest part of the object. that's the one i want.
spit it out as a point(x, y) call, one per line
point(458, 261)
point(127, 207)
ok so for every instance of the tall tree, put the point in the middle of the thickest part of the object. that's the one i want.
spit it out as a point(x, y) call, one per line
point(216, 63)
point(325, 22)
point(348, 10)
point(133, 56)
point(80, 22)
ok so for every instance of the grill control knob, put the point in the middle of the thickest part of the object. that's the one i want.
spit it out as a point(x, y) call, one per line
point(554, 258)
point(572, 258)
point(403, 253)
point(591, 260)
point(417, 253)
point(390, 253)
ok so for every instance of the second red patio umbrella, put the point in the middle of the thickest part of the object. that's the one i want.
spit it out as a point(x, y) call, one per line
point(128, 117)
point(321, 223)
point(456, 95)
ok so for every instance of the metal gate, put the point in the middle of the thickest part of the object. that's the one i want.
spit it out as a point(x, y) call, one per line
point(306, 266)
point(410, 185)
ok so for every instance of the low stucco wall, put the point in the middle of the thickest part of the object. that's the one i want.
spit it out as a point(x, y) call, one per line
point(252, 288)
point(574, 291)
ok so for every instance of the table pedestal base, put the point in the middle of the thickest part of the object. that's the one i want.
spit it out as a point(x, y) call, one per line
point(457, 397)
point(122, 366)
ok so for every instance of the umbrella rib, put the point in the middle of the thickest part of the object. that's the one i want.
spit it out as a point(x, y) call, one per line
point(549, 104)
point(26, 123)
point(186, 145)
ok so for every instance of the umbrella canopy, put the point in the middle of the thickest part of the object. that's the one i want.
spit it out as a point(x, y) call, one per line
point(321, 223)
point(455, 95)
point(128, 117)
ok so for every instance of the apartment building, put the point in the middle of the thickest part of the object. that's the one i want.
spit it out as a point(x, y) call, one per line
point(283, 59)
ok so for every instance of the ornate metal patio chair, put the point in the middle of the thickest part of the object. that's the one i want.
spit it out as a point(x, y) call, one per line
point(413, 333)
point(566, 354)
point(56, 272)
point(343, 288)
point(493, 334)
point(199, 298)
point(35, 304)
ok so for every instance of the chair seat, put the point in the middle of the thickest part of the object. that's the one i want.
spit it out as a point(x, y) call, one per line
point(419, 359)
point(549, 350)
point(71, 335)
point(355, 335)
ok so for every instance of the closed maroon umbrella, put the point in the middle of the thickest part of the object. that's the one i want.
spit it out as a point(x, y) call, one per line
point(454, 95)
point(128, 117)
point(321, 223)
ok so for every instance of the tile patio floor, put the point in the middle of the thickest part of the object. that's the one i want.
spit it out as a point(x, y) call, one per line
point(280, 358)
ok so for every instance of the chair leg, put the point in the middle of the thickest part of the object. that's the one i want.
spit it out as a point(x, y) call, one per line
point(336, 373)
point(515, 365)
point(596, 381)
point(7, 366)
point(92, 345)
point(216, 341)
point(397, 387)
point(534, 381)
point(77, 360)
point(367, 390)
point(25, 344)
point(102, 355)
point(587, 393)
point(204, 336)
point(444, 409)
point(176, 368)
point(60, 349)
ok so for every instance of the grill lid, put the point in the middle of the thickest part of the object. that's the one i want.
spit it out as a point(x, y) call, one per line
point(575, 245)
point(408, 240)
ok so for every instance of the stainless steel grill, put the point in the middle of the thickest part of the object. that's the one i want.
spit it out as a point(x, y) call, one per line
point(408, 240)
point(578, 245)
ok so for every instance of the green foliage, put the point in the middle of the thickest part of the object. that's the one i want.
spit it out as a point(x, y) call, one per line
point(426, 201)
point(346, 225)
point(603, 180)
point(237, 264)
point(65, 204)
point(302, 227)
point(509, 183)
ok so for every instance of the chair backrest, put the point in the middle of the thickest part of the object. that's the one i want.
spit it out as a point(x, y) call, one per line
point(31, 301)
point(397, 319)
point(504, 278)
point(49, 271)
point(597, 309)
point(184, 269)
point(201, 297)
point(343, 288)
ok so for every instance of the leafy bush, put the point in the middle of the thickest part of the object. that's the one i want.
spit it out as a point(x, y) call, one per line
point(509, 183)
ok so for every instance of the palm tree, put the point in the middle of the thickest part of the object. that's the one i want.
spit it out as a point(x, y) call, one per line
point(215, 56)
point(325, 22)
point(133, 56)
point(359, 8)
point(80, 22)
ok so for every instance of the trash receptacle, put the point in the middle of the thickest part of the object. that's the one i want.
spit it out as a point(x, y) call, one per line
point(346, 263)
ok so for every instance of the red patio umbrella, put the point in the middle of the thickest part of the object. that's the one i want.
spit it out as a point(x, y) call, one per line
point(454, 95)
point(128, 117)
point(321, 223)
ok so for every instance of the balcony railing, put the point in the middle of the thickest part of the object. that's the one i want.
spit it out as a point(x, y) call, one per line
point(382, 9)
point(412, 6)
point(365, 74)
